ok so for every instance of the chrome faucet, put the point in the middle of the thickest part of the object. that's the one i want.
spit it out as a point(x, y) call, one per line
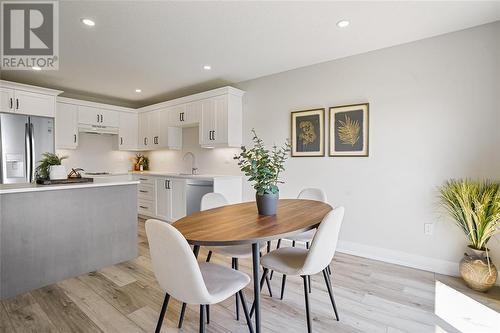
point(194, 168)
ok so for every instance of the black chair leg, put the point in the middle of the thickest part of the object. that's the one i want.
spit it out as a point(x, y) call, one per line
point(330, 292)
point(277, 247)
point(209, 256)
point(208, 313)
point(234, 265)
point(306, 297)
point(283, 281)
point(329, 270)
point(202, 318)
point(309, 283)
point(245, 310)
point(181, 318)
point(268, 246)
point(264, 274)
point(162, 313)
point(268, 283)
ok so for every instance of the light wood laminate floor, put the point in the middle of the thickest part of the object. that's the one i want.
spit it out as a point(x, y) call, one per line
point(371, 296)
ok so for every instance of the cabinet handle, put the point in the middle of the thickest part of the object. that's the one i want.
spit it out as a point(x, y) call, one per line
point(121, 140)
point(143, 179)
point(213, 135)
point(166, 185)
point(142, 191)
point(11, 104)
point(145, 141)
point(17, 103)
point(97, 118)
point(209, 135)
point(143, 207)
point(74, 138)
point(102, 118)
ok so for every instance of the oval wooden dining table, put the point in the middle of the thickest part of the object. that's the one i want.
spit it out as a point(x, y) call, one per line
point(241, 224)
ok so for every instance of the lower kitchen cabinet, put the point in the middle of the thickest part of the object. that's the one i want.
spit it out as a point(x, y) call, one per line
point(170, 198)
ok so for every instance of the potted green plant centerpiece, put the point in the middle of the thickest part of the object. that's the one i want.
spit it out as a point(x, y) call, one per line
point(263, 167)
point(50, 167)
point(475, 207)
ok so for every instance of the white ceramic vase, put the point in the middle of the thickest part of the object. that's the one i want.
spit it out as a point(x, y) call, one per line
point(57, 172)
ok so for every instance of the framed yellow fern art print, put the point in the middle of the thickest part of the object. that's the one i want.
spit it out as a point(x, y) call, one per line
point(308, 133)
point(349, 130)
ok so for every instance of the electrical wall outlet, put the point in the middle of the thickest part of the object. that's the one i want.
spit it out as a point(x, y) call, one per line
point(428, 229)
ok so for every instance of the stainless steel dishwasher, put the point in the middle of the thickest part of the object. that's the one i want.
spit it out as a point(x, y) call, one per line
point(195, 190)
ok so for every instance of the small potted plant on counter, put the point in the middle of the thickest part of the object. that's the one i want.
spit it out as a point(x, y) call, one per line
point(263, 167)
point(50, 167)
point(475, 207)
point(141, 163)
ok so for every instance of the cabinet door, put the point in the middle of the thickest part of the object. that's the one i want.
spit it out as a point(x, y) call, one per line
point(66, 126)
point(162, 198)
point(7, 102)
point(34, 104)
point(219, 131)
point(154, 128)
point(109, 118)
point(89, 115)
point(128, 131)
point(177, 199)
point(144, 142)
point(207, 122)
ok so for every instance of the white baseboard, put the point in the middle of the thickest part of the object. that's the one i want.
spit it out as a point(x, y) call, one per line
point(401, 258)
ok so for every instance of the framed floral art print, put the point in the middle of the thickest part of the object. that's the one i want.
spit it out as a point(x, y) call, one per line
point(349, 130)
point(308, 133)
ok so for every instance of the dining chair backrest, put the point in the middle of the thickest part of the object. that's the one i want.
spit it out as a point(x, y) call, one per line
point(324, 243)
point(213, 200)
point(312, 194)
point(174, 263)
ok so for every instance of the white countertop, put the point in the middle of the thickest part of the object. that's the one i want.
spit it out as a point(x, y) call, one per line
point(19, 188)
point(181, 175)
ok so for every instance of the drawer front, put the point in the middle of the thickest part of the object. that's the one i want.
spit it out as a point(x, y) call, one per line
point(146, 180)
point(146, 191)
point(146, 207)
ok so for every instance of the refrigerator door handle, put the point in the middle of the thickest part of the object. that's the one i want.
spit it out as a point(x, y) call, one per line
point(32, 140)
point(27, 145)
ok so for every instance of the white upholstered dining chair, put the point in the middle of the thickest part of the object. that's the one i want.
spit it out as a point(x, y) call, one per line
point(181, 277)
point(306, 262)
point(235, 252)
point(306, 237)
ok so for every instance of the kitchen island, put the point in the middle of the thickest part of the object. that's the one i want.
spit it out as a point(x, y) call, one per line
point(51, 233)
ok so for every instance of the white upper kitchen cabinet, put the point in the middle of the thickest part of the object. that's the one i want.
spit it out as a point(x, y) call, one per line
point(28, 100)
point(185, 115)
point(94, 116)
point(7, 100)
point(221, 121)
point(66, 126)
point(128, 131)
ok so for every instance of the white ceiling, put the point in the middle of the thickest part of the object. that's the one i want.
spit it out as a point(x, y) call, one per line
point(161, 47)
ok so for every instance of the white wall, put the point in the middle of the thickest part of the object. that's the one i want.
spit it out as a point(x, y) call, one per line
point(98, 153)
point(434, 115)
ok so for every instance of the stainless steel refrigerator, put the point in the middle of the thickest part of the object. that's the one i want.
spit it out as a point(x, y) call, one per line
point(23, 140)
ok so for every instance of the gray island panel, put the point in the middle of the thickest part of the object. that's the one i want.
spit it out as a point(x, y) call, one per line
point(48, 236)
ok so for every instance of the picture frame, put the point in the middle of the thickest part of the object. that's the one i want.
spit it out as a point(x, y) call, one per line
point(349, 130)
point(308, 133)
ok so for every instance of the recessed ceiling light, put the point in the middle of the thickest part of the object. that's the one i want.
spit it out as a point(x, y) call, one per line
point(207, 67)
point(138, 90)
point(343, 24)
point(88, 22)
point(36, 68)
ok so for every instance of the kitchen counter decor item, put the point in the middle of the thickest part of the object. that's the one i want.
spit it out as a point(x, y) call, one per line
point(50, 167)
point(475, 207)
point(263, 167)
point(141, 163)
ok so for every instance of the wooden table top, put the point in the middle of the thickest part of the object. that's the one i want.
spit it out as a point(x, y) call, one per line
point(241, 224)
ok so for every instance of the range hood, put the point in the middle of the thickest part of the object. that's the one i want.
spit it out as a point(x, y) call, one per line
point(97, 129)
